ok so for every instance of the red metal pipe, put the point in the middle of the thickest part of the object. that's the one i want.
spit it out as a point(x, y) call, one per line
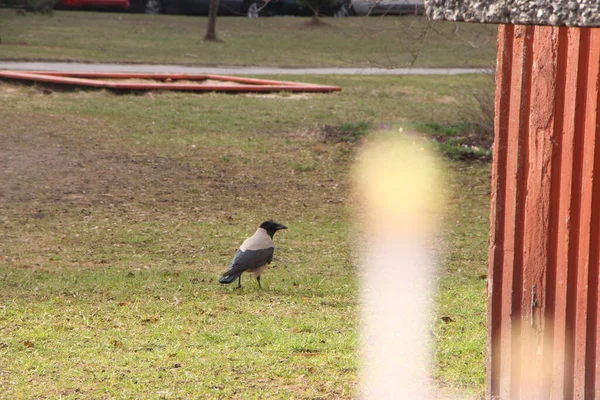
point(168, 81)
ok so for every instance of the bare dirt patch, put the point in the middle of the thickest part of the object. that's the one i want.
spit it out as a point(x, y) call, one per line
point(316, 24)
point(8, 90)
point(55, 162)
point(41, 165)
point(349, 135)
point(333, 134)
point(285, 96)
point(447, 100)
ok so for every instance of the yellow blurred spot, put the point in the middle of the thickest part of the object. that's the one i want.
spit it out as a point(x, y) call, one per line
point(399, 183)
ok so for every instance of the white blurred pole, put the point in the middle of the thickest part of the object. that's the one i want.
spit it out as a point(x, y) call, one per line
point(397, 183)
point(395, 319)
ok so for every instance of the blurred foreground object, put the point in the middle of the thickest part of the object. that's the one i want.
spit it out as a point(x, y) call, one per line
point(397, 182)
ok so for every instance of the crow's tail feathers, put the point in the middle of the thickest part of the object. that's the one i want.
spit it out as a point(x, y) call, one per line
point(229, 278)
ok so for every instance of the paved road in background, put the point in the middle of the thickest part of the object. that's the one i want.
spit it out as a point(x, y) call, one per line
point(180, 69)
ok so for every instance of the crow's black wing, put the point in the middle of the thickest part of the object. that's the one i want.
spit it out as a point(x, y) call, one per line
point(249, 259)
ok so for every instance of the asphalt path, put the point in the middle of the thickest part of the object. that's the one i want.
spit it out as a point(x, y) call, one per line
point(181, 69)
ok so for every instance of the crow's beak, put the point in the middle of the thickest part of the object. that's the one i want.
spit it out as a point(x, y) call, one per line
point(281, 227)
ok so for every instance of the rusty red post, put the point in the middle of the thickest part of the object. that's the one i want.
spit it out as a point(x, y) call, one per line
point(543, 303)
point(543, 292)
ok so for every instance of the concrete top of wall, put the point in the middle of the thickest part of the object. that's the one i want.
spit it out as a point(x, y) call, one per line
point(523, 12)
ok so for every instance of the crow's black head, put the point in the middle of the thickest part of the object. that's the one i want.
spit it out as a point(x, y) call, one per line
point(271, 227)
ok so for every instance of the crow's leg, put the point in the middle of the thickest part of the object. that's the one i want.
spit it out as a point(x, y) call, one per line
point(239, 286)
point(258, 280)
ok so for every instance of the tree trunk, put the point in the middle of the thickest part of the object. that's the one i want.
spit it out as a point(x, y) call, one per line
point(211, 33)
point(315, 16)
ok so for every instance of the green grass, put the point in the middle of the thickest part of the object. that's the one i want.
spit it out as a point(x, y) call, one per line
point(462, 289)
point(353, 131)
point(461, 140)
point(285, 42)
point(118, 212)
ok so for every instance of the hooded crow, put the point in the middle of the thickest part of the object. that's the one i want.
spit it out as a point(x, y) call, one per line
point(253, 255)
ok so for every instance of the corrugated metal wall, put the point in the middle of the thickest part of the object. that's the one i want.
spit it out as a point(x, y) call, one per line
point(543, 301)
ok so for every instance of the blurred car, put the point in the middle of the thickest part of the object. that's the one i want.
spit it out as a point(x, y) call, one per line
point(48, 5)
point(387, 7)
point(250, 8)
point(265, 8)
point(119, 5)
point(188, 7)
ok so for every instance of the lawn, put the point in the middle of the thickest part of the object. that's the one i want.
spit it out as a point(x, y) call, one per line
point(284, 42)
point(119, 211)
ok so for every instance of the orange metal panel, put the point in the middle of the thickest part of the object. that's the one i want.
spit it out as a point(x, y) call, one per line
point(497, 332)
point(540, 143)
point(545, 222)
point(517, 172)
point(582, 203)
point(564, 112)
point(586, 346)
